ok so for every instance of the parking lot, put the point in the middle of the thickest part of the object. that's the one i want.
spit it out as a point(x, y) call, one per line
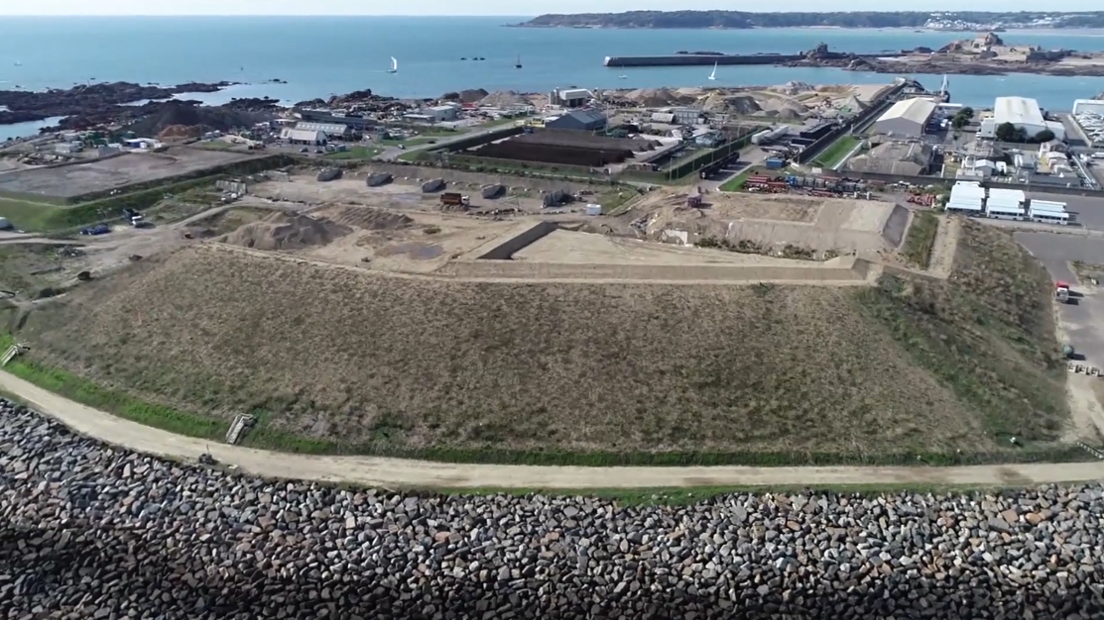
point(1089, 209)
point(1083, 320)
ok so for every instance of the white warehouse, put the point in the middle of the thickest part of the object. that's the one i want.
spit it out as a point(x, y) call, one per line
point(906, 118)
point(1022, 113)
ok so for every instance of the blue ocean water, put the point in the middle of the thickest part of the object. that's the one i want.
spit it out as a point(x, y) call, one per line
point(320, 56)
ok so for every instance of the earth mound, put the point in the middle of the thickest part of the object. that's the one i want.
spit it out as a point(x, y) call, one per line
point(161, 116)
point(887, 372)
point(286, 232)
point(369, 218)
point(503, 99)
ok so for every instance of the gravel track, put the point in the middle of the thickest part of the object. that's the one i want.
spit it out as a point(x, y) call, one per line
point(90, 531)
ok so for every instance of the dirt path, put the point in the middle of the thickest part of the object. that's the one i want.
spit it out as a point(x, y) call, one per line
point(401, 473)
point(943, 250)
point(582, 279)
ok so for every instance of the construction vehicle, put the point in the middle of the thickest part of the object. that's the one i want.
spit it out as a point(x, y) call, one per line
point(1062, 291)
point(454, 199)
point(694, 200)
point(133, 217)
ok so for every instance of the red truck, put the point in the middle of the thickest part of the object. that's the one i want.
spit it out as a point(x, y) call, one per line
point(1062, 291)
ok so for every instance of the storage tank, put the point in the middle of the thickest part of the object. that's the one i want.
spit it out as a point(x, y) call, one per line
point(329, 174)
point(759, 138)
point(493, 191)
point(379, 178)
point(433, 185)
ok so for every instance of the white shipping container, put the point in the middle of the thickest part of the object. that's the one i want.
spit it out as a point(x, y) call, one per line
point(592, 209)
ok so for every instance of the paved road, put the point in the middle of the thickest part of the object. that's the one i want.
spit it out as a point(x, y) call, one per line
point(401, 473)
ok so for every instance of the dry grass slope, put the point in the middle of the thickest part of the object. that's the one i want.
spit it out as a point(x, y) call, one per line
point(336, 360)
point(988, 333)
point(392, 364)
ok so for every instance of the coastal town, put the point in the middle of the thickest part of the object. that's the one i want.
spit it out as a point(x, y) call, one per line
point(786, 349)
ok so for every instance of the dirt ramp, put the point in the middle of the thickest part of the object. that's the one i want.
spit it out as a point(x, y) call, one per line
point(286, 232)
point(368, 218)
point(896, 224)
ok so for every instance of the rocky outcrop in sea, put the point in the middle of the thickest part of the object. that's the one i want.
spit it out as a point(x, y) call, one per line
point(90, 531)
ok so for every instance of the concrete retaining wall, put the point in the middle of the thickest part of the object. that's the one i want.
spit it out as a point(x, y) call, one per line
point(506, 250)
point(475, 181)
point(816, 272)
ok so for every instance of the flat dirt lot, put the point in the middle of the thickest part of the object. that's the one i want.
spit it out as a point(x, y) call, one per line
point(105, 174)
point(772, 222)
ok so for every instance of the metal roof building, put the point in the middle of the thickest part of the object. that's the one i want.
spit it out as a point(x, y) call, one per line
point(333, 129)
point(966, 198)
point(906, 118)
point(1049, 212)
point(302, 136)
point(1020, 111)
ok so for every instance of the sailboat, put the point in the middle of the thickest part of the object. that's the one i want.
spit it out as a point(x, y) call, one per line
point(518, 65)
point(713, 75)
point(622, 77)
point(394, 66)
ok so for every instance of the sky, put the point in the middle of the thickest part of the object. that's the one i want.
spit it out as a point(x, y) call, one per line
point(480, 7)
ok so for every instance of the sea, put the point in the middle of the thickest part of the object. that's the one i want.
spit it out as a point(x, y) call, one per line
point(321, 56)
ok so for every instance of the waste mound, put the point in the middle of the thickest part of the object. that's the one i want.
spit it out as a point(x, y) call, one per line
point(287, 232)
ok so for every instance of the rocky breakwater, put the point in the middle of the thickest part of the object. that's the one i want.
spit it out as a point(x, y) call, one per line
point(89, 104)
point(93, 532)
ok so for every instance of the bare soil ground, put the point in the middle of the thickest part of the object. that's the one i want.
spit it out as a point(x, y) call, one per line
point(824, 227)
point(103, 174)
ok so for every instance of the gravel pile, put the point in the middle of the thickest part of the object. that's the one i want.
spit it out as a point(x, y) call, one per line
point(94, 532)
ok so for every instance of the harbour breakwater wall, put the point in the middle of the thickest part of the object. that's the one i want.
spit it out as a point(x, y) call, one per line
point(690, 60)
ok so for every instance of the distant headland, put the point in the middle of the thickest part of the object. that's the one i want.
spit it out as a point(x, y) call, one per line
point(929, 20)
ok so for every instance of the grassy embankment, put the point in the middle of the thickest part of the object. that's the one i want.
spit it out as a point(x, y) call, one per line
point(921, 239)
point(836, 152)
point(909, 371)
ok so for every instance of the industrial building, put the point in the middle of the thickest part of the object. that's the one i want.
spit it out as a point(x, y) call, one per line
point(967, 199)
point(579, 120)
point(1021, 113)
point(303, 137)
point(1006, 204)
point(332, 130)
point(906, 118)
point(900, 158)
point(571, 97)
point(1048, 212)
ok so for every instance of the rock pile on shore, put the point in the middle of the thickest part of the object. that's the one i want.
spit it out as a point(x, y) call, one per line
point(93, 532)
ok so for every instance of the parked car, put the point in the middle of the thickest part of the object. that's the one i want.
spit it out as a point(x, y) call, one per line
point(98, 229)
point(304, 150)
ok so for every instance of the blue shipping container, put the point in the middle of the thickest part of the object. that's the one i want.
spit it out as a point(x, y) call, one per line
point(774, 164)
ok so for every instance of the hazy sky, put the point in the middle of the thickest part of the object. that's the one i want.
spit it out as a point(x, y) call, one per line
point(475, 7)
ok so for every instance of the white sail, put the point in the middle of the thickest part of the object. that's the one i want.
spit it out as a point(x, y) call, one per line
point(394, 64)
point(713, 75)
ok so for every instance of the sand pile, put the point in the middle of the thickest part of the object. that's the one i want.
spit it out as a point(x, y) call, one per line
point(658, 97)
point(369, 218)
point(503, 99)
point(283, 231)
point(472, 95)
